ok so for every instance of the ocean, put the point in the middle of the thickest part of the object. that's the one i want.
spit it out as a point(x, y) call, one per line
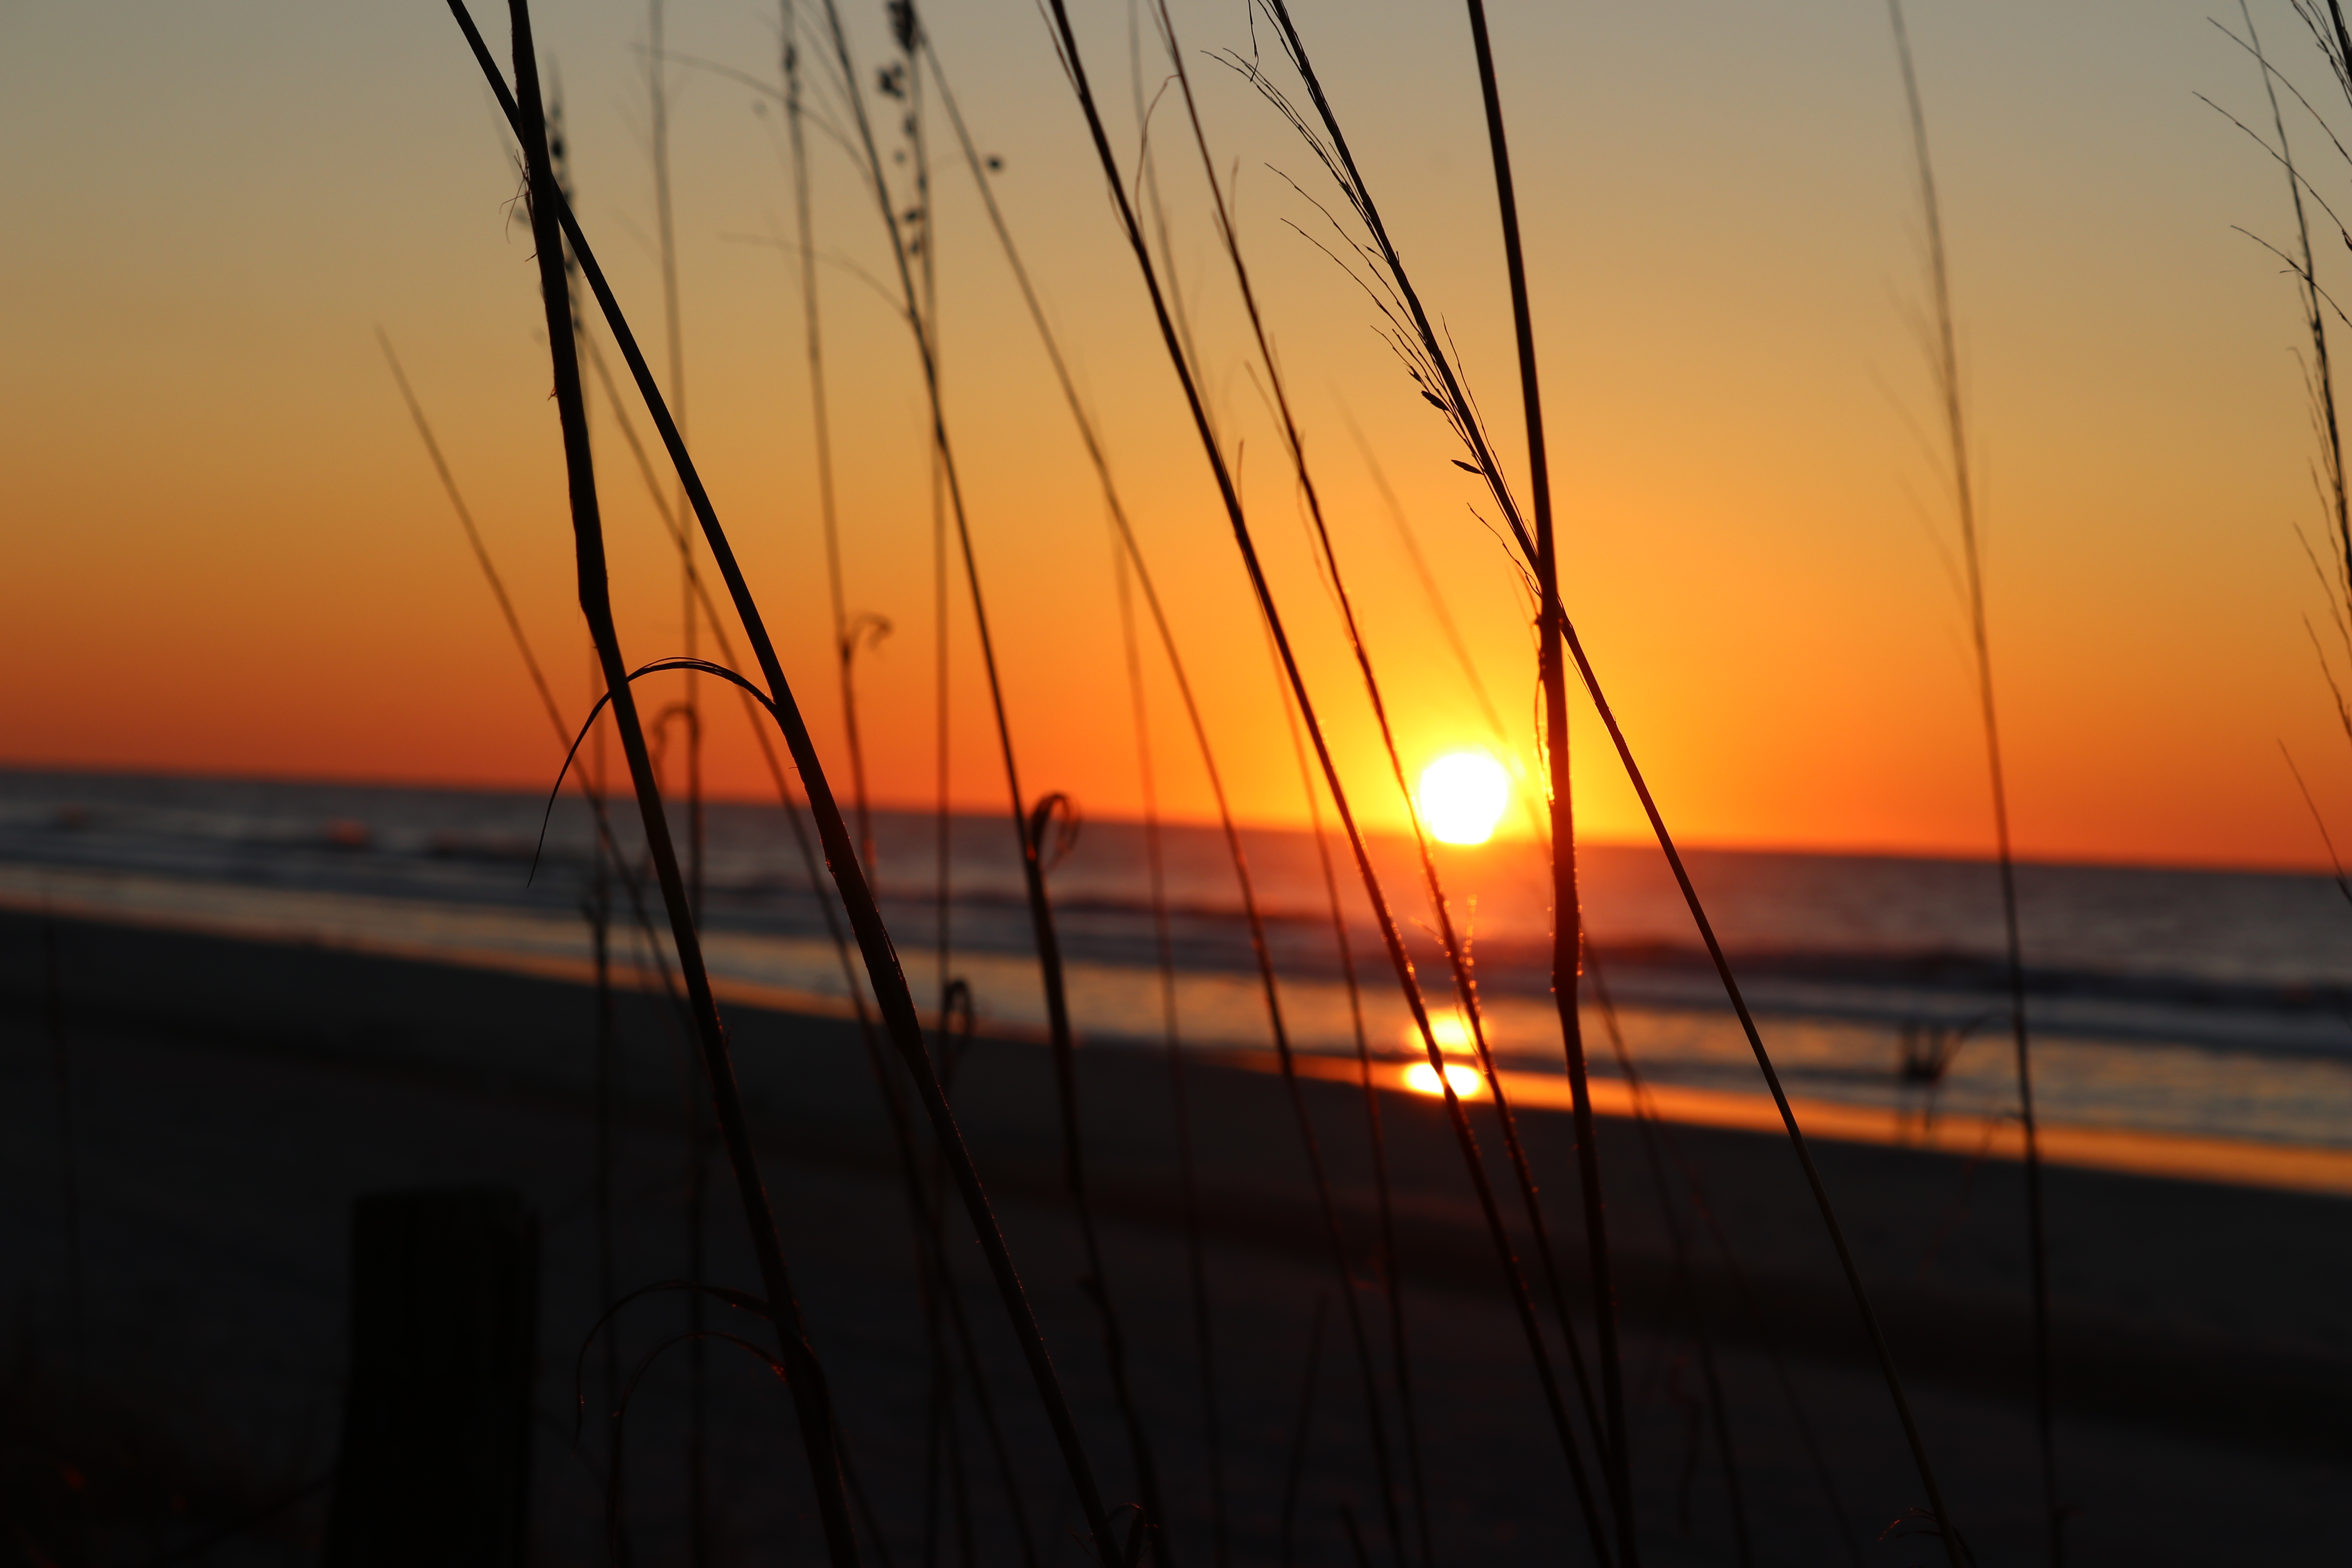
point(2206, 1003)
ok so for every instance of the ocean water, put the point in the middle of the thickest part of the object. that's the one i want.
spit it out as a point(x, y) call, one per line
point(2213, 1002)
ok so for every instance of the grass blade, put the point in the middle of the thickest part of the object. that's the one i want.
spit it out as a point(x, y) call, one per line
point(1947, 387)
point(1027, 819)
point(1074, 66)
point(811, 1397)
point(1568, 917)
point(1427, 350)
point(888, 980)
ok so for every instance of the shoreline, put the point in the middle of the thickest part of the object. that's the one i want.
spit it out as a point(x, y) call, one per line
point(2277, 1164)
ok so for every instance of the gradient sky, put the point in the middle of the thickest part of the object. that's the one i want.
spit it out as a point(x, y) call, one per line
point(224, 549)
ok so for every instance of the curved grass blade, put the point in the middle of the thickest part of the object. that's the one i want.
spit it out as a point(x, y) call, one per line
point(811, 1397)
point(1608, 1439)
point(857, 897)
point(1074, 66)
point(1460, 412)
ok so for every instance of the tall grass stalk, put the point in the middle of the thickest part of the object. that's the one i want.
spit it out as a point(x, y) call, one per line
point(786, 801)
point(1947, 367)
point(904, 81)
point(596, 906)
point(883, 970)
point(1335, 577)
point(674, 338)
point(810, 1395)
point(923, 1213)
point(1429, 364)
point(1132, 558)
point(939, 1285)
point(2334, 860)
point(2328, 33)
point(1608, 1439)
point(1568, 916)
point(1537, 823)
point(1178, 1094)
point(698, 1427)
point(907, 32)
point(1029, 820)
point(821, 418)
point(2335, 42)
point(1304, 1126)
point(609, 858)
point(1074, 67)
point(1954, 1550)
point(1384, 1254)
point(591, 784)
point(1262, 954)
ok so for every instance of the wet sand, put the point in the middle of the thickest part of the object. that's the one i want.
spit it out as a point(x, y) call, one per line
point(230, 1099)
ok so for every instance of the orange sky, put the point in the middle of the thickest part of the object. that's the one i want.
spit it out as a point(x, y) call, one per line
point(226, 551)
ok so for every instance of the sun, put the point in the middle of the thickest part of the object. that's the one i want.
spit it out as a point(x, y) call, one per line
point(1462, 795)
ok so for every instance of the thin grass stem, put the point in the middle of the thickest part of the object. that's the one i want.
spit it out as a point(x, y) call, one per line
point(1455, 950)
point(1074, 66)
point(883, 969)
point(1027, 819)
point(1567, 918)
point(810, 1395)
point(698, 1425)
point(1178, 1095)
point(821, 417)
point(1948, 378)
point(1391, 1269)
point(2334, 860)
point(1427, 359)
point(1954, 1549)
point(1133, 556)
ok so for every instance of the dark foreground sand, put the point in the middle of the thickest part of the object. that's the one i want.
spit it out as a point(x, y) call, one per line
point(230, 1100)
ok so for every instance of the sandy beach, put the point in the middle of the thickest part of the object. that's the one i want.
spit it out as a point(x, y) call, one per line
point(230, 1099)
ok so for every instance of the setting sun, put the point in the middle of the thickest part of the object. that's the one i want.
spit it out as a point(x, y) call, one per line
point(1462, 796)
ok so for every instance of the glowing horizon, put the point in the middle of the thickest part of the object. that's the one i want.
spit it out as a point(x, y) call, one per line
point(233, 556)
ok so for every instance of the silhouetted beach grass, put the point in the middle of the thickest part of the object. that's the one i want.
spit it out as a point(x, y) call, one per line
point(1236, 1304)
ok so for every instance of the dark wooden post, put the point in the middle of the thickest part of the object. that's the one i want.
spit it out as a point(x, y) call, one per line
point(435, 1461)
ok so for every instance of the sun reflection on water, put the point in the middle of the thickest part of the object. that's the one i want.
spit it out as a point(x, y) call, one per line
point(1421, 1078)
